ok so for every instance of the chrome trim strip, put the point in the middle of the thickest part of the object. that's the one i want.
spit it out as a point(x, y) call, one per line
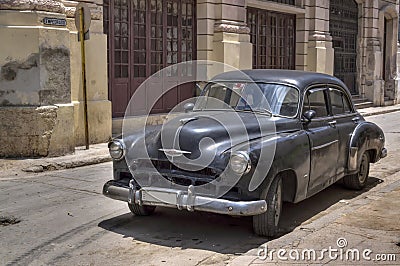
point(324, 145)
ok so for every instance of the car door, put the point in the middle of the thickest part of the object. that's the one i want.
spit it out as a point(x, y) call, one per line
point(346, 120)
point(324, 139)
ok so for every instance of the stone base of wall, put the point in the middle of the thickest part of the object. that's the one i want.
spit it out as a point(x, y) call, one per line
point(137, 122)
point(37, 131)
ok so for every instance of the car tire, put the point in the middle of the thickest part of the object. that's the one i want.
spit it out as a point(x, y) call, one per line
point(267, 224)
point(143, 210)
point(359, 180)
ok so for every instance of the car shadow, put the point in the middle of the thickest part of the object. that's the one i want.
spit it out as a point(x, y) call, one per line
point(221, 233)
point(294, 215)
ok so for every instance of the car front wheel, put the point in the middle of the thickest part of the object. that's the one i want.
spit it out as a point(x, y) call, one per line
point(267, 224)
point(359, 180)
point(141, 210)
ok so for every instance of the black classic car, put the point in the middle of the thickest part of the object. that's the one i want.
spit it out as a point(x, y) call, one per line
point(246, 145)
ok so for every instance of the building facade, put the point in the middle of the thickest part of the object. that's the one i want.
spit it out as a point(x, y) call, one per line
point(41, 86)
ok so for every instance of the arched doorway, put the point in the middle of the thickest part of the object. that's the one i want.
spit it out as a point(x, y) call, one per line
point(343, 25)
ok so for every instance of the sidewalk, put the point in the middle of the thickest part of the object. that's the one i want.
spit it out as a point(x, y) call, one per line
point(97, 153)
point(370, 221)
point(379, 110)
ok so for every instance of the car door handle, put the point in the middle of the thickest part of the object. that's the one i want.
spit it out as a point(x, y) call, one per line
point(332, 123)
point(356, 120)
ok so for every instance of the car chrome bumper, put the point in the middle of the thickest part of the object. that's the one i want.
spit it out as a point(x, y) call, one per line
point(383, 152)
point(182, 200)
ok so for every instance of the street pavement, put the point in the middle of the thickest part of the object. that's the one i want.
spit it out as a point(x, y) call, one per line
point(60, 217)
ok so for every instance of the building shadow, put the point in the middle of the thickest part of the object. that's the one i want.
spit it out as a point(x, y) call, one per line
point(221, 233)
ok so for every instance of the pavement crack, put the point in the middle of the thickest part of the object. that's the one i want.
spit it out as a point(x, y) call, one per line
point(70, 188)
point(8, 220)
point(46, 246)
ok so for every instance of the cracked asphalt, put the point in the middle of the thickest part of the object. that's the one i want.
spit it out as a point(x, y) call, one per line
point(64, 219)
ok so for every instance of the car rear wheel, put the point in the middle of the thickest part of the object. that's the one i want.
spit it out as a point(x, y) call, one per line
point(143, 210)
point(267, 224)
point(359, 180)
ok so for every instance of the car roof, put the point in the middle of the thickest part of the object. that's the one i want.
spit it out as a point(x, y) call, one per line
point(299, 79)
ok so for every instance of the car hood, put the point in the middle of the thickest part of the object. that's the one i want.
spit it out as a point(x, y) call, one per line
point(204, 135)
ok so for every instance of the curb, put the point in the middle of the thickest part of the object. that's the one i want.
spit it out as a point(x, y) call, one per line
point(378, 112)
point(51, 166)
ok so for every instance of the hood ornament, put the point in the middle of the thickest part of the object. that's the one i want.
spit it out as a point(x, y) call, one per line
point(187, 120)
point(174, 152)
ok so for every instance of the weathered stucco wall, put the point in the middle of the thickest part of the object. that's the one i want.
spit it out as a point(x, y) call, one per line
point(41, 99)
point(36, 113)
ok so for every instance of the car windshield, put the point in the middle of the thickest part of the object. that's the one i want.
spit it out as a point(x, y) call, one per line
point(276, 99)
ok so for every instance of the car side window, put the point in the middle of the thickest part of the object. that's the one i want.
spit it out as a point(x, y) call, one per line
point(315, 100)
point(339, 102)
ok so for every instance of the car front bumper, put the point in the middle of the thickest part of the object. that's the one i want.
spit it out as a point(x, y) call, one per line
point(383, 153)
point(179, 199)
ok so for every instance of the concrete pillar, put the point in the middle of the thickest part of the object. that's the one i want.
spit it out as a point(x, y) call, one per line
point(36, 112)
point(205, 29)
point(389, 15)
point(302, 37)
point(232, 44)
point(223, 34)
point(397, 98)
point(320, 52)
point(369, 66)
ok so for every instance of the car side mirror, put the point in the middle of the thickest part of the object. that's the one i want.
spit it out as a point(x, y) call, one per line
point(188, 107)
point(309, 115)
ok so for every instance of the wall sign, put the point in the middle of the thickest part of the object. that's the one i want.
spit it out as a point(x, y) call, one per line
point(55, 21)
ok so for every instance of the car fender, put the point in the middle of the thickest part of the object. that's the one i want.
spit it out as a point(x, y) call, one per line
point(366, 136)
point(292, 153)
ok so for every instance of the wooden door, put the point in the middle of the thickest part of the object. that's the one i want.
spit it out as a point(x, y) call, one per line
point(144, 36)
point(273, 37)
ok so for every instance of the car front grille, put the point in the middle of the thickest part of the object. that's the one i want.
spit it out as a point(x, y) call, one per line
point(184, 177)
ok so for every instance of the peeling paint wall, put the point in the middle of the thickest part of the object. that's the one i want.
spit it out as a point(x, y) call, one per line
point(55, 63)
point(42, 79)
point(19, 82)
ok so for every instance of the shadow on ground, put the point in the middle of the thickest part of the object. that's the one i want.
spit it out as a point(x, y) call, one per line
point(220, 233)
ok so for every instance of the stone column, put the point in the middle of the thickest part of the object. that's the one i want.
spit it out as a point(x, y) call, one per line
point(371, 46)
point(36, 112)
point(320, 51)
point(223, 34)
point(389, 15)
point(99, 107)
point(397, 99)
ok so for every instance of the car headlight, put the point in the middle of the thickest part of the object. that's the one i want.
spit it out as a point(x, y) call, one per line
point(240, 162)
point(116, 149)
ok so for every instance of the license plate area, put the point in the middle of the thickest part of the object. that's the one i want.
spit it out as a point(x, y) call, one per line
point(156, 196)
